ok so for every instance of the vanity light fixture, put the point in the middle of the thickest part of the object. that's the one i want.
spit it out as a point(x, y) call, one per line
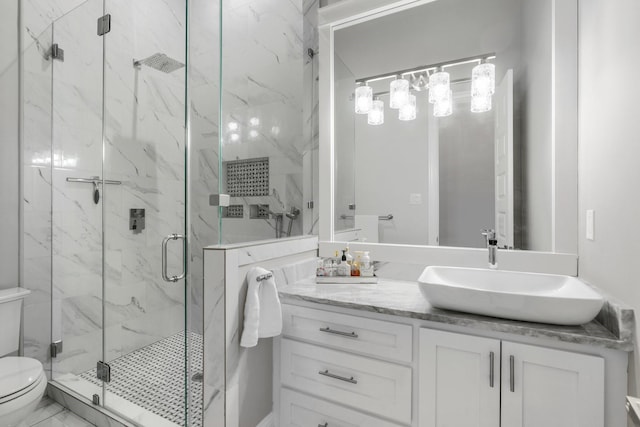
point(408, 111)
point(398, 92)
point(481, 103)
point(439, 86)
point(483, 86)
point(233, 126)
point(364, 99)
point(376, 115)
point(254, 121)
point(444, 106)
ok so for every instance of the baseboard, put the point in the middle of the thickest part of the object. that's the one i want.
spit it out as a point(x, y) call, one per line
point(267, 421)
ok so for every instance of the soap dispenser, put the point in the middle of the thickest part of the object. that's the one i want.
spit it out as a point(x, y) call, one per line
point(493, 253)
point(344, 269)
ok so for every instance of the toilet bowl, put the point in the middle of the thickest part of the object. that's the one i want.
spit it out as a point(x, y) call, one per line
point(22, 385)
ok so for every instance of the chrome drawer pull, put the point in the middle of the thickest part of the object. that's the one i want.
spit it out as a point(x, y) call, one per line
point(326, 373)
point(328, 330)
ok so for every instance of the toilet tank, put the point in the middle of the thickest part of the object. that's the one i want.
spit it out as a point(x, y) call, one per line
point(10, 316)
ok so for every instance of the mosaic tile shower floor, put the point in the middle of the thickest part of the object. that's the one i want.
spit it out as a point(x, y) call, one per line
point(153, 378)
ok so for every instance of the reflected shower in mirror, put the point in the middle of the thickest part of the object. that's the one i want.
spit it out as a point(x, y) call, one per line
point(443, 118)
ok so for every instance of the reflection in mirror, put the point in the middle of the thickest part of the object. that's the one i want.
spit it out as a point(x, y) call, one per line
point(458, 155)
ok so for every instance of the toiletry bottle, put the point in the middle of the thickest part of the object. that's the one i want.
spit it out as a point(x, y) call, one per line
point(355, 266)
point(493, 253)
point(366, 268)
point(320, 271)
point(344, 269)
point(334, 268)
point(349, 257)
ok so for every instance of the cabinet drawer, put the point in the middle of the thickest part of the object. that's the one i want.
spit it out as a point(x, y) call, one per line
point(373, 337)
point(298, 409)
point(365, 384)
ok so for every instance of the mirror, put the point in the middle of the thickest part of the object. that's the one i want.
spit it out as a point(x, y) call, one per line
point(439, 181)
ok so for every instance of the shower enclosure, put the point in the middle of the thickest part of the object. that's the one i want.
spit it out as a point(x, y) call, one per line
point(131, 119)
point(106, 158)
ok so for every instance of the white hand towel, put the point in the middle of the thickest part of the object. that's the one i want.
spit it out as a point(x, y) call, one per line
point(262, 311)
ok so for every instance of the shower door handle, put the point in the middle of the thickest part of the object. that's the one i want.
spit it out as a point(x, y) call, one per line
point(165, 243)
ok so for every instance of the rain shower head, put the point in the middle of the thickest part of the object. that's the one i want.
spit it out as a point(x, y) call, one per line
point(160, 62)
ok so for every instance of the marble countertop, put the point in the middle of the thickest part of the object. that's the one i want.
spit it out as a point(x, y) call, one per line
point(404, 299)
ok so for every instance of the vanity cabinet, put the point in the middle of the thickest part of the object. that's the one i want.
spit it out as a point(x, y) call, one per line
point(473, 381)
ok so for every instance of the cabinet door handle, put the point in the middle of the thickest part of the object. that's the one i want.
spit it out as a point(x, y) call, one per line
point(491, 369)
point(512, 373)
point(323, 425)
point(328, 330)
point(326, 373)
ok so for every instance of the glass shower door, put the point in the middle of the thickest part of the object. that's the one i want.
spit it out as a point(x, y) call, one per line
point(145, 217)
point(76, 209)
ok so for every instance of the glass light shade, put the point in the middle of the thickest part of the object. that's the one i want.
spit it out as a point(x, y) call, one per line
point(439, 86)
point(483, 80)
point(408, 111)
point(399, 93)
point(376, 114)
point(481, 103)
point(444, 106)
point(364, 99)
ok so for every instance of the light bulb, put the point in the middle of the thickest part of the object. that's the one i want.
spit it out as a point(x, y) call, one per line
point(376, 114)
point(233, 126)
point(483, 80)
point(234, 137)
point(253, 134)
point(408, 111)
point(480, 103)
point(254, 121)
point(399, 93)
point(364, 99)
point(444, 106)
point(439, 86)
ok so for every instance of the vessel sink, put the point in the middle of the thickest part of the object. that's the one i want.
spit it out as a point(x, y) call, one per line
point(532, 297)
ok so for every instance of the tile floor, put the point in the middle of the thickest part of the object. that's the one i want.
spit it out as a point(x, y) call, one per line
point(51, 414)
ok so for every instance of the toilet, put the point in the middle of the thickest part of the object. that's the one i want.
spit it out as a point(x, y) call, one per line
point(22, 379)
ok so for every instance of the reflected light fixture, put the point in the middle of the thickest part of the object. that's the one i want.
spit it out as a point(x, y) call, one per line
point(481, 103)
point(483, 79)
point(233, 126)
point(439, 86)
point(253, 134)
point(254, 121)
point(234, 137)
point(444, 106)
point(408, 111)
point(398, 92)
point(376, 114)
point(364, 99)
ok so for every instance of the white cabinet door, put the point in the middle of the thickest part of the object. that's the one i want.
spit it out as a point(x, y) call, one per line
point(459, 380)
point(551, 388)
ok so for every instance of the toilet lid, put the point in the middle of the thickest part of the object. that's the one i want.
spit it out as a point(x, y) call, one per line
point(17, 374)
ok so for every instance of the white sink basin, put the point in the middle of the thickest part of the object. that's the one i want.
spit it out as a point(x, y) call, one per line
point(532, 297)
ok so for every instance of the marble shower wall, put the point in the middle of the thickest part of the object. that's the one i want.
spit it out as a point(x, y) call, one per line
point(145, 143)
point(266, 75)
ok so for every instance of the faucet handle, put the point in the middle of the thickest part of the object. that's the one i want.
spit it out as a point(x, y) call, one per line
point(489, 233)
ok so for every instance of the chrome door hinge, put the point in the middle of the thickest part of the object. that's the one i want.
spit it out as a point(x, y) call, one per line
point(55, 348)
point(57, 52)
point(103, 371)
point(104, 24)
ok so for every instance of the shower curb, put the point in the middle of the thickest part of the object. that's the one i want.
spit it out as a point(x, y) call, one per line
point(77, 404)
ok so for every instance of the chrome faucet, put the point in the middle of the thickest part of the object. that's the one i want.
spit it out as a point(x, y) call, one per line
point(492, 245)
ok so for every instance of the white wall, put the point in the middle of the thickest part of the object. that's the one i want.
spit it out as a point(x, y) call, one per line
point(609, 149)
point(9, 145)
point(537, 123)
